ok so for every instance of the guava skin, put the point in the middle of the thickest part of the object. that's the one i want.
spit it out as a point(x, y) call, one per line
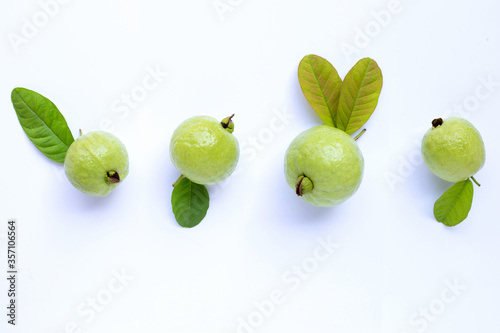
point(92, 159)
point(203, 150)
point(330, 159)
point(453, 150)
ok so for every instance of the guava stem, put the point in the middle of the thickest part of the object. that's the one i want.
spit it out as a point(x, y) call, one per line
point(178, 181)
point(80, 132)
point(298, 188)
point(228, 124)
point(437, 122)
point(304, 185)
point(225, 122)
point(113, 177)
point(360, 134)
point(475, 181)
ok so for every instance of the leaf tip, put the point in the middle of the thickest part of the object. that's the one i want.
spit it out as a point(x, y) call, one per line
point(15, 92)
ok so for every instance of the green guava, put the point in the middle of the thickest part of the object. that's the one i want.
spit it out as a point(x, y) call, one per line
point(96, 163)
point(204, 149)
point(453, 149)
point(324, 166)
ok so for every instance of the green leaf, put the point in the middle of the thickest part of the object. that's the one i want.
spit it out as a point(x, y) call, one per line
point(189, 203)
point(320, 84)
point(42, 122)
point(359, 95)
point(454, 205)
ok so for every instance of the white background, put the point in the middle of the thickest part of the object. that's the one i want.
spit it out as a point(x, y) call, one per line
point(392, 262)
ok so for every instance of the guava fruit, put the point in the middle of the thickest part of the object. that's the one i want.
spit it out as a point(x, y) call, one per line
point(453, 149)
point(204, 149)
point(324, 166)
point(96, 163)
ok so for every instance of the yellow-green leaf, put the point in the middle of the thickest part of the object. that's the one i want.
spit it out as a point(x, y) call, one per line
point(320, 84)
point(359, 95)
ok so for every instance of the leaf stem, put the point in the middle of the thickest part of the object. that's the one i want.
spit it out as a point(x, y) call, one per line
point(360, 134)
point(178, 180)
point(475, 181)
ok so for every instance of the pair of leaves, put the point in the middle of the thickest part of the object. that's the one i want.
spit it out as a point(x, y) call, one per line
point(42, 122)
point(189, 203)
point(455, 203)
point(346, 104)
